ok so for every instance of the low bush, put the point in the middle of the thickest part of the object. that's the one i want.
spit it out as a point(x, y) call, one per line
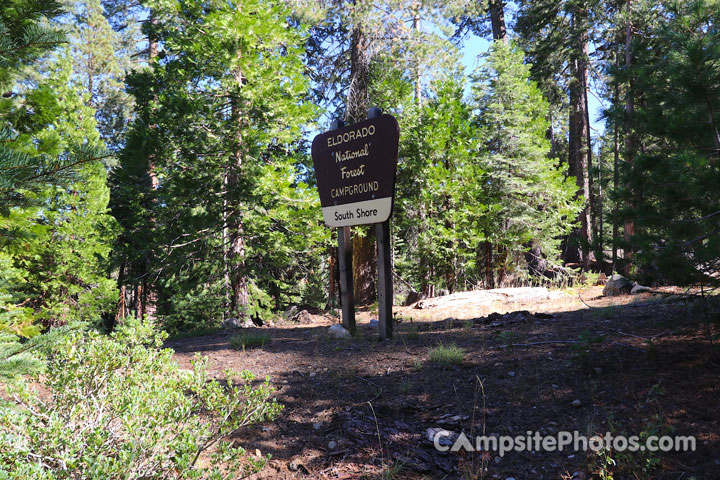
point(119, 406)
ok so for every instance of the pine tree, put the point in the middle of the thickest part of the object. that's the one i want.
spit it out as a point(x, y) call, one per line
point(218, 113)
point(527, 194)
point(673, 183)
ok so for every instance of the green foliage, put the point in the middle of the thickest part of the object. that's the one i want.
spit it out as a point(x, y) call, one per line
point(530, 196)
point(245, 340)
point(475, 172)
point(121, 408)
point(587, 341)
point(59, 263)
point(446, 354)
point(219, 112)
point(673, 185)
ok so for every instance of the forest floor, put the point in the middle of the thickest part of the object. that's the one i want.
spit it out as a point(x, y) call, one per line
point(360, 408)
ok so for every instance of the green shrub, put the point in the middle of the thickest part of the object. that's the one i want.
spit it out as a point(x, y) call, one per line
point(446, 354)
point(119, 406)
point(244, 340)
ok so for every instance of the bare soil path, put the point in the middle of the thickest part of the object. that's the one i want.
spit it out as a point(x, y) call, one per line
point(634, 365)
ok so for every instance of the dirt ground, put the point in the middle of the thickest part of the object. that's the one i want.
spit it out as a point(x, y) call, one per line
point(634, 365)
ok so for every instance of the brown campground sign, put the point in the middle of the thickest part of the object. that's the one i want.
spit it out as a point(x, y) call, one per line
point(355, 170)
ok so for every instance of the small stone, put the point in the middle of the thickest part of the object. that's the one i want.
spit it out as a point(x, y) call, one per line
point(317, 425)
point(374, 323)
point(332, 444)
point(555, 386)
point(511, 374)
point(510, 478)
point(597, 370)
point(576, 403)
point(498, 459)
point(338, 331)
point(571, 457)
point(258, 453)
point(312, 374)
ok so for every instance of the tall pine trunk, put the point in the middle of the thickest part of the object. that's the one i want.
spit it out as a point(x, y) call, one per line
point(239, 298)
point(497, 19)
point(363, 245)
point(146, 294)
point(630, 146)
point(580, 155)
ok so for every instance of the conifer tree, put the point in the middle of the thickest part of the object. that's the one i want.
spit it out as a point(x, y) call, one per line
point(218, 114)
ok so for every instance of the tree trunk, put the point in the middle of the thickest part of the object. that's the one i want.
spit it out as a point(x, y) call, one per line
point(364, 267)
point(489, 273)
point(364, 264)
point(580, 156)
point(497, 19)
point(616, 164)
point(239, 298)
point(416, 27)
point(629, 230)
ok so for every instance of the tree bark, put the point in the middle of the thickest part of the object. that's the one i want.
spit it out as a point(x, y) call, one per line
point(363, 246)
point(616, 163)
point(497, 20)
point(239, 298)
point(580, 155)
point(629, 229)
point(489, 273)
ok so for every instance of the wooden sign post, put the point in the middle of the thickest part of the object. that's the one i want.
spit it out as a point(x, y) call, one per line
point(355, 168)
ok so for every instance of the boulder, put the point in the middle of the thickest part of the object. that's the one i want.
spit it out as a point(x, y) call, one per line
point(302, 317)
point(412, 298)
point(290, 312)
point(617, 285)
point(640, 289)
point(338, 331)
point(237, 323)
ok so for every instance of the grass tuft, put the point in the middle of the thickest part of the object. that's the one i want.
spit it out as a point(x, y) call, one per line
point(446, 354)
point(242, 341)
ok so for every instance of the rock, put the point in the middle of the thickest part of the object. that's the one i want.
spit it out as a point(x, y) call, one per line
point(511, 374)
point(617, 285)
point(317, 425)
point(421, 305)
point(543, 316)
point(447, 438)
point(290, 312)
point(412, 298)
point(444, 292)
point(576, 403)
point(639, 289)
point(555, 386)
point(332, 444)
point(338, 331)
point(237, 323)
point(597, 370)
point(303, 317)
point(312, 374)
point(374, 323)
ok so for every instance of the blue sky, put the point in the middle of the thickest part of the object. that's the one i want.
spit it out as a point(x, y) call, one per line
point(475, 46)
